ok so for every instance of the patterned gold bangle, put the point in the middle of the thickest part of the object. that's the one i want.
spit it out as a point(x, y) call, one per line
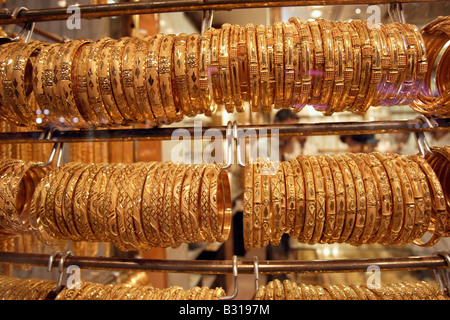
point(340, 64)
point(224, 66)
point(149, 221)
point(248, 206)
point(397, 205)
point(357, 66)
point(156, 203)
point(349, 293)
point(290, 196)
point(152, 77)
point(288, 34)
point(319, 183)
point(386, 65)
point(265, 204)
point(185, 203)
point(339, 191)
point(311, 205)
point(366, 63)
point(307, 62)
point(179, 54)
point(243, 73)
point(279, 65)
point(205, 206)
point(269, 291)
point(79, 85)
point(195, 196)
point(253, 67)
point(234, 68)
point(296, 61)
point(257, 203)
point(192, 62)
point(208, 107)
point(350, 199)
point(64, 75)
point(319, 60)
point(139, 82)
point(279, 204)
point(392, 73)
point(394, 96)
point(348, 64)
point(176, 207)
point(93, 87)
point(408, 203)
point(300, 199)
point(168, 215)
point(165, 77)
point(370, 193)
point(263, 58)
point(215, 68)
point(330, 204)
point(329, 66)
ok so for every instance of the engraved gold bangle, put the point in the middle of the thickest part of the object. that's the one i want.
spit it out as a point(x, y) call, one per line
point(215, 68)
point(192, 68)
point(253, 67)
point(168, 222)
point(319, 60)
point(311, 205)
point(339, 69)
point(234, 68)
point(349, 65)
point(329, 66)
point(279, 203)
point(296, 61)
point(330, 203)
point(248, 206)
point(265, 204)
point(263, 69)
point(300, 199)
point(204, 80)
point(156, 204)
point(290, 196)
point(179, 54)
point(177, 198)
point(319, 183)
point(392, 73)
point(339, 190)
point(243, 73)
point(224, 65)
point(279, 65)
point(185, 202)
point(257, 203)
point(194, 212)
point(205, 206)
point(288, 34)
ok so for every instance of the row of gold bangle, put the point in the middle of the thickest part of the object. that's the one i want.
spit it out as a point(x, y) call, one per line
point(436, 35)
point(36, 289)
point(18, 180)
point(134, 206)
point(160, 79)
point(289, 290)
point(334, 66)
point(350, 198)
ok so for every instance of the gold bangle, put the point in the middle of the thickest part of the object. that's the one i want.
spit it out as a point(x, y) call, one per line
point(392, 72)
point(300, 199)
point(177, 198)
point(257, 203)
point(179, 55)
point(422, 64)
point(371, 192)
point(350, 199)
point(93, 87)
point(195, 200)
point(79, 85)
point(311, 205)
point(234, 68)
point(361, 203)
point(290, 196)
point(349, 65)
point(165, 77)
point(288, 34)
point(339, 190)
point(224, 65)
point(265, 204)
point(140, 90)
point(253, 67)
point(66, 70)
point(319, 183)
point(152, 79)
point(357, 67)
point(319, 59)
point(270, 41)
point(330, 194)
point(208, 107)
point(185, 202)
point(269, 291)
point(243, 72)
point(279, 65)
point(397, 205)
point(192, 69)
point(248, 206)
point(394, 96)
point(156, 204)
point(279, 204)
point(168, 221)
point(329, 66)
point(278, 290)
point(263, 68)
point(349, 293)
point(223, 199)
point(215, 68)
point(205, 206)
point(386, 65)
point(339, 69)
point(408, 203)
point(296, 62)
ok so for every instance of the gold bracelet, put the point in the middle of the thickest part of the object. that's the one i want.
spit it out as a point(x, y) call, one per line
point(93, 87)
point(393, 98)
point(248, 206)
point(195, 197)
point(386, 65)
point(176, 204)
point(300, 199)
point(224, 65)
point(263, 68)
point(279, 203)
point(270, 42)
point(339, 69)
point(185, 202)
point(339, 191)
point(215, 68)
point(179, 55)
point(265, 204)
point(223, 199)
point(253, 67)
point(350, 199)
point(392, 73)
point(234, 68)
point(257, 203)
point(140, 90)
point(311, 205)
point(296, 62)
point(279, 65)
point(319, 60)
point(192, 69)
point(330, 194)
point(205, 206)
point(290, 196)
point(168, 222)
point(329, 66)
point(243, 73)
point(204, 80)
point(319, 182)
point(288, 34)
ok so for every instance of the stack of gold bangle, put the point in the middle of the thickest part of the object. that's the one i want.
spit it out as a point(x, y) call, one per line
point(289, 290)
point(18, 180)
point(37, 289)
point(134, 206)
point(436, 35)
point(352, 198)
point(160, 79)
